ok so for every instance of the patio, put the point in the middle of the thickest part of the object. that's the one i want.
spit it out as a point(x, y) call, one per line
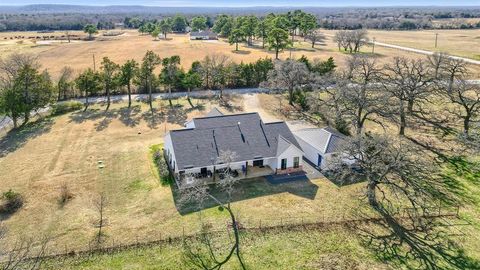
point(208, 178)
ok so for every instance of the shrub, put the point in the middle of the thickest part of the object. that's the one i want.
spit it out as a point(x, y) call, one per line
point(11, 202)
point(65, 107)
point(65, 194)
point(162, 168)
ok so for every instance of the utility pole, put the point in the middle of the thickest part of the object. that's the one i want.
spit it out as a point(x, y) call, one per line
point(373, 45)
point(436, 39)
point(93, 62)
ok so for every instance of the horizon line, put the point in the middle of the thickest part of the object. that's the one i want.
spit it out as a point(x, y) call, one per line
point(240, 6)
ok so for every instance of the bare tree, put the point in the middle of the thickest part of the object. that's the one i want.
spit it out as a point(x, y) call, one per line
point(65, 82)
point(408, 82)
point(22, 253)
point(213, 71)
point(206, 257)
point(452, 70)
point(437, 61)
point(100, 205)
point(351, 40)
point(360, 96)
point(315, 36)
point(288, 75)
point(467, 96)
point(398, 174)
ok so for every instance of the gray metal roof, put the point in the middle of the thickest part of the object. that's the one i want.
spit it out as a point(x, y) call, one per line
point(326, 139)
point(204, 33)
point(245, 134)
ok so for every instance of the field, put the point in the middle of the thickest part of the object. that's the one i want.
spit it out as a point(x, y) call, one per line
point(464, 43)
point(79, 54)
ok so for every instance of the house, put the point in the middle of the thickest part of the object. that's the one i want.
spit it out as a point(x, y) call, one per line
point(320, 145)
point(261, 149)
point(203, 35)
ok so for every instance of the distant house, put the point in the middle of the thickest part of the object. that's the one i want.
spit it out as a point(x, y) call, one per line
point(320, 145)
point(203, 35)
point(260, 148)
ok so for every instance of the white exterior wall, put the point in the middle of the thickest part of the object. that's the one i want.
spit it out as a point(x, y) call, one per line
point(169, 149)
point(311, 153)
point(289, 154)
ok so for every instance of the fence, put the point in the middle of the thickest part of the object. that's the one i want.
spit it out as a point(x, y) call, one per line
point(111, 244)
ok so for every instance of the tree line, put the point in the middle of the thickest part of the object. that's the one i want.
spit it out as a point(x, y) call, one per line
point(25, 89)
point(331, 18)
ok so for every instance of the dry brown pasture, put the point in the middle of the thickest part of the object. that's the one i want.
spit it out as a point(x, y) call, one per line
point(465, 43)
point(79, 54)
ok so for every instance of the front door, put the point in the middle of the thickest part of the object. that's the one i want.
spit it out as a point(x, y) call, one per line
point(284, 164)
point(319, 163)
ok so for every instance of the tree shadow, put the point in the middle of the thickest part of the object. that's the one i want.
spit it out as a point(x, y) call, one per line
point(176, 115)
point(244, 52)
point(130, 116)
point(107, 119)
point(434, 249)
point(17, 138)
point(153, 118)
point(83, 116)
point(248, 189)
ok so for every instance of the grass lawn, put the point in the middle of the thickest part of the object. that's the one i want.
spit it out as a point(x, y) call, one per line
point(325, 249)
point(39, 159)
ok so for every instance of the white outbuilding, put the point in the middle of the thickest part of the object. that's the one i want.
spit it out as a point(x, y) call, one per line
point(320, 145)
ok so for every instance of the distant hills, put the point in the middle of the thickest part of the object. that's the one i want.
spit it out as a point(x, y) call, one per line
point(52, 8)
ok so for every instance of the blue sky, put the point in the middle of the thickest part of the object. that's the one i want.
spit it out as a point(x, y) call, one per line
point(240, 3)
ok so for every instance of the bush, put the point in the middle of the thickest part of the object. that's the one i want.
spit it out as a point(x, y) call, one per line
point(163, 172)
point(65, 107)
point(65, 195)
point(11, 202)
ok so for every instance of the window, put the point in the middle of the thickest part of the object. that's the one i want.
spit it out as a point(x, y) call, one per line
point(296, 162)
point(284, 164)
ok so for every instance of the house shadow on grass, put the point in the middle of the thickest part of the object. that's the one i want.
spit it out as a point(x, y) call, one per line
point(16, 138)
point(249, 189)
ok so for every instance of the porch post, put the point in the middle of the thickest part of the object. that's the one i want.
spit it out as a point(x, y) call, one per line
point(246, 168)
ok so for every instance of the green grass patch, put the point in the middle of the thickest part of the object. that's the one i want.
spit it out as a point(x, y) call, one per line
point(161, 171)
point(65, 107)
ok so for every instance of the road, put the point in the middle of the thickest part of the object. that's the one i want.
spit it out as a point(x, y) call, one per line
point(425, 52)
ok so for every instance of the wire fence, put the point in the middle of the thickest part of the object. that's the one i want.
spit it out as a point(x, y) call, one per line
point(111, 244)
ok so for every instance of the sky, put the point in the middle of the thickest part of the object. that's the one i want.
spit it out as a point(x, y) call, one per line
point(244, 3)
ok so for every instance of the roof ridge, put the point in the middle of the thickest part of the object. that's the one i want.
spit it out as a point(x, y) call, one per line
point(225, 115)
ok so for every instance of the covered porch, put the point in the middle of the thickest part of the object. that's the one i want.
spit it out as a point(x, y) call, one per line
point(205, 176)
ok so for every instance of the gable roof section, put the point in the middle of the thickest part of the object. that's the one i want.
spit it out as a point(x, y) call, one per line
point(203, 33)
point(245, 134)
point(326, 140)
point(214, 112)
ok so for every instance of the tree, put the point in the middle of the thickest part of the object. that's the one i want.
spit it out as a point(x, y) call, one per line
point(323, 67)
point(278, 40)
point(307, 24)
point(127, 73)
point(165, 27)
point(100, 205)
point(146, 77)
point(400, 175)
point(359, 95)
point(466, 96)
point(199, 23)
point(261, 31)
point(89, 82)
point(155, 33)
point(235, 37)
point(288, 75)
point(190, 81)
point(109, 77)
point(90, 29)
point(199, 195)
point(248, 25)
point(169, 75)
point(179, 24)
point(408, 82)
point(315, 36)
point(64, 82)
point(220, 22)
